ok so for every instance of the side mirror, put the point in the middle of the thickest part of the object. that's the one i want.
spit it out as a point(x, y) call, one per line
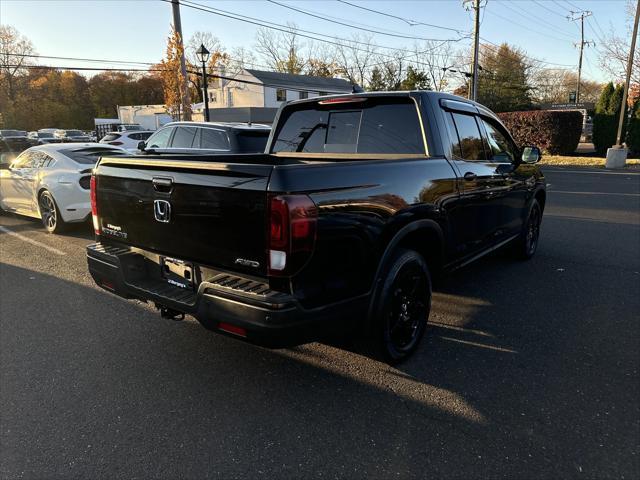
point(142, 145)
point(5, 160)
point(531, 155)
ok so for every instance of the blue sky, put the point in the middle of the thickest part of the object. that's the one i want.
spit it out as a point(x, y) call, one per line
point(136, 30)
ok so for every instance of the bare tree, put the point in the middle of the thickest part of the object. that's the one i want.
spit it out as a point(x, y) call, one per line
point(14, 51)
point(282, 51)
point(435, 58)
point(614, 50)
point(356, 58)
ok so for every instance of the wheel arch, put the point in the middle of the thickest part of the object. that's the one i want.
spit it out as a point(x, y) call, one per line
point(541, 197)
point(425, 237)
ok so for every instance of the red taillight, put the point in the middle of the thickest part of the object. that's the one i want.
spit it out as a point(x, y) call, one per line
point(292, 232)
point(342, 100)
point(227, 327)
point(94, 205)
point(115, 143)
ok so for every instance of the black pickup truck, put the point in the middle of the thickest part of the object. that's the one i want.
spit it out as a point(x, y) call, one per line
point(338, 227)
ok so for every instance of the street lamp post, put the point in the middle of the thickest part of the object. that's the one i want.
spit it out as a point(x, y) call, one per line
point(203, 56)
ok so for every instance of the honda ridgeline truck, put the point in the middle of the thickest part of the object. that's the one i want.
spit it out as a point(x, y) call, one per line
point(357, 203)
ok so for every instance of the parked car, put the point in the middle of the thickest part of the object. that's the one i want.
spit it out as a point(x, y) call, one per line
point(42, 137)
point(51, 182)
point(128, 140)
point(72, 136)
point(341, 226)
point(12, 134)
point(16, 141)
point(206, 137)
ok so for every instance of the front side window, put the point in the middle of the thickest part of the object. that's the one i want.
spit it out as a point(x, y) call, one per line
point(501, 149)
point(25, 160)
point(469, 138)
point(160, 139)
point(281, 95)
point(365, 125)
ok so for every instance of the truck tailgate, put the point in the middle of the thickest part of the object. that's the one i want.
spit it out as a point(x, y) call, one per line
point(213, 213)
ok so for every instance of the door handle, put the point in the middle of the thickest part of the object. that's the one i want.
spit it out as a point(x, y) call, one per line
point(470, 176)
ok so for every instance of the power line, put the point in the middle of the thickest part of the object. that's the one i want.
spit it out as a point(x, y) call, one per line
point(549, 9)
point(282, 28)
point(326, 19)
point(496, 50)
point(544, 22)
point(409, 21)
point(523, 26)
point(223, 77)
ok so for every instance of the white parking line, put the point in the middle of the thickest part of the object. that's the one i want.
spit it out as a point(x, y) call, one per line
point(596, 193)
point(562, 170)
point(32, 242)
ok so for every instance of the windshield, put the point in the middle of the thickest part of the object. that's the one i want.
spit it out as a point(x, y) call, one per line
point(75, 133)
point(45, 134)
point(12, 133)
point(91, 155)
point(252, 141)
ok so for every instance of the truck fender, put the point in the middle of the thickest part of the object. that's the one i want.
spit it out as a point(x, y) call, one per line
point(426, 225)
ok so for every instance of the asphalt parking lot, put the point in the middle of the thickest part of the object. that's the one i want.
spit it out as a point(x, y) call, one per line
point(529, 369)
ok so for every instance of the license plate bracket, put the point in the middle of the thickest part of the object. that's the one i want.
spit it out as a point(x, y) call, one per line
point(178, 272)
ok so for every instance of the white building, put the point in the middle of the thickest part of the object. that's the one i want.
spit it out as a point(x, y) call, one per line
point(257, 88)
point(151, 117)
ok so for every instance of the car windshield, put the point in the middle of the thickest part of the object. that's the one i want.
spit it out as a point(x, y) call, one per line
point(45, 134)
point(252, 141)
point(89, 155)
point(12, 133)
point(75, 133)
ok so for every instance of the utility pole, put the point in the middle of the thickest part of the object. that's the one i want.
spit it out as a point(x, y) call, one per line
point(475, 4)
point(626, 83)
point(617, 155)
point(177, 25)
point(572, 18)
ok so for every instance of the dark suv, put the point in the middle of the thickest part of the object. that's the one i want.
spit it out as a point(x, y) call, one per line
point(207, 138)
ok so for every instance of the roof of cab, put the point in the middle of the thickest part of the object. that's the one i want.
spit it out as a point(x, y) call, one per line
point(225, 125)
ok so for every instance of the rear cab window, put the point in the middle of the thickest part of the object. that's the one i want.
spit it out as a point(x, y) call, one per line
point(357, 125)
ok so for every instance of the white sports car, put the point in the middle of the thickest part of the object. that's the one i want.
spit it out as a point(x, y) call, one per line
point(51, 182)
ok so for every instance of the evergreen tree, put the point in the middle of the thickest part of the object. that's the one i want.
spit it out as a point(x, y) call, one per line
point(415, 80)
point(607, 115)
point(633, 133)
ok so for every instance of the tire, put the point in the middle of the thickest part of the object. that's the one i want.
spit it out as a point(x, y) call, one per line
point(401, 309)
point(50, 213)
point(527, 243)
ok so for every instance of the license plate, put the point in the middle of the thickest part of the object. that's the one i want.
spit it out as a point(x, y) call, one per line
point(178, 272)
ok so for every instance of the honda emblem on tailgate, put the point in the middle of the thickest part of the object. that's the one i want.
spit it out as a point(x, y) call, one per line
point(162, 211)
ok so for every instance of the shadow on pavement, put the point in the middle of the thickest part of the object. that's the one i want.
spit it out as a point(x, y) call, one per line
point(505, 384)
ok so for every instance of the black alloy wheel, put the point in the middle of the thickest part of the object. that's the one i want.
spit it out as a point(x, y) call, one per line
point(401, 314)
point(49, 213)
point(528, 241)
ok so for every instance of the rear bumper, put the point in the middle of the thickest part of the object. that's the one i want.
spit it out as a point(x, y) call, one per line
point(269, 319)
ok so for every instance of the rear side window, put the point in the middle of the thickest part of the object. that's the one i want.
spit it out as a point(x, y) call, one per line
point(214, 139)
point(372, 125)
point(183, 138)
point(252, 142)
point(469, 139)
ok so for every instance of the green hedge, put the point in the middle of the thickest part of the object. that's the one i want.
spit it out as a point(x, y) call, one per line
point(556, 132)
point(633, 132)
point(606, 118)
